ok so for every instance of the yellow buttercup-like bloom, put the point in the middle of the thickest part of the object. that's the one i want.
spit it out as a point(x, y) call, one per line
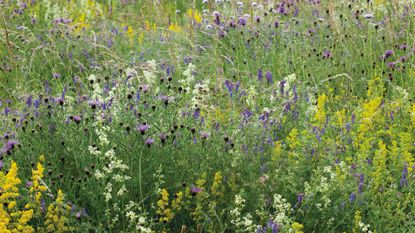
point(194, 15)
point(175, 27)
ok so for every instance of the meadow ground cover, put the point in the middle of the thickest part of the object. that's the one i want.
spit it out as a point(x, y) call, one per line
point(207, 116)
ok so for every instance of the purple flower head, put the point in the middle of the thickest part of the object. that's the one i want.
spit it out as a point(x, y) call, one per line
point(387, 54)
point(56, 75)
point(391, 64)
point(195, 190)
point(352, 197)
point(268, 75)
point(149, 142)
point(276, 24)
point(29, 184)
point(77, 119)
point(257, 19)
point(162, 137)
point(300, 198)
point(242, 21)
point(143, 128)
point(8, 147)
point(326, 54)
point(260, 75)
point(404, 181)
point(204, 135)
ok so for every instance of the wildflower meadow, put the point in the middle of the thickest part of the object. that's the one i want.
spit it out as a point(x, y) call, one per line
point(266, 116)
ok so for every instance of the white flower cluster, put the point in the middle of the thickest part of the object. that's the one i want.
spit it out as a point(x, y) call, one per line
point(137, 220)
point(242, 223)
point(282, 210)
point(322, 185)
point(402, 92)
point(150, 71)
point(201, 94)
point(189, 76)
point(364, 227)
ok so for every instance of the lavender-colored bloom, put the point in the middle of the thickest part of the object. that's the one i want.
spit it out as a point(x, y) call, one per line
point(229, 85)
point(56, 75)
point(300, 198)
point(326, 54)
point(387, 54)
point(8, 147)
point(404, 180)
point(29, 184)
point(260, 75)
point(43, 205)
point(242, 21)
point(352, 197)
point(6, 111)
point(204, 135)
point(143, 128)
point(268, 75)
point(29, 101)
point(276, 24)
point(77, 119)
point(391, 64)
point(149, 142)
point(361, 182)
point(195, 190)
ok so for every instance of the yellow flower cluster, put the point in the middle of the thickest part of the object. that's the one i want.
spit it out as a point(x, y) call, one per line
point(194, 15)
point(56, 220)
point(175, 27)
point(297, 227)
point(380, 164)
point(165, 213)
point(292, 139)
point(12, 220)
point(217, 187)
point(320, 116)
point(357, 220)
point(37, 188)
point(177, 200)
point(406, 142)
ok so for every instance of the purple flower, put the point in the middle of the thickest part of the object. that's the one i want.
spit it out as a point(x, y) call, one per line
point(352, 197)
point(242, 21)
point(195, 190)
point(387, 54)
point(29, 184)
point(77, 119)
point(391, 64)
point(404, 181)
point(268, 75)
point(326, 54)
point(56, 75)
point(260, 75)
point(204, 135)
point(8, 147)
point(143, 128)
point(276, 24)
point(149, 142)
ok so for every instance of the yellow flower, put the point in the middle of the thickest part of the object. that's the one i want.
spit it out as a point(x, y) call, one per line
point(217, 188)
point(175, 27)
point(177, 200)
point(194, 15)
point(165, 213)
point(292, 138)
point(11, 205)
point(320, 115)
point(297, 227)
